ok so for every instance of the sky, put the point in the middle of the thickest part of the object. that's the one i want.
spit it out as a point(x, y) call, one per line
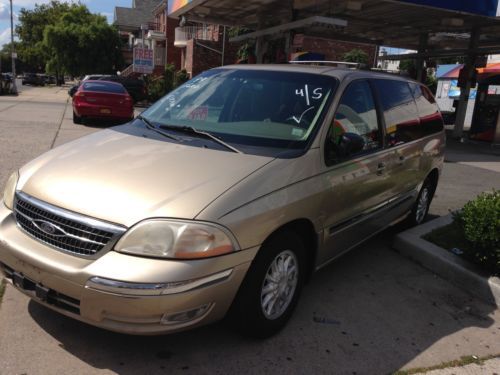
point(104, 7)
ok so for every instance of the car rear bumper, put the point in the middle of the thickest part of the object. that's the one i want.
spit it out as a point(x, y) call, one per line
point(96, 111)
point(120, 292)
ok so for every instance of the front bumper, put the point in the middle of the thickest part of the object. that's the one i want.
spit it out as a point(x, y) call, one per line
point(58, 280)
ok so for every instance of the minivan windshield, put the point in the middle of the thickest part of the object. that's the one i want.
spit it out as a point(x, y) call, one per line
point(254, 108)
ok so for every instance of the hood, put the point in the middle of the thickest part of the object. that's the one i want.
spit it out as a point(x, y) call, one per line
point(123, 178)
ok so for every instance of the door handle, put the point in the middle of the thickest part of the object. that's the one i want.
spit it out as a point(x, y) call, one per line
point(401, 159)
point(380, 169)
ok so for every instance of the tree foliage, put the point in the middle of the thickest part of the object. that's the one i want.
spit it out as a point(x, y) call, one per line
point(61, 38)
point(356, 55)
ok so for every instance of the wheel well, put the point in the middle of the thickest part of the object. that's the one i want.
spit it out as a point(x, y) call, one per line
point(433, 176)
point(305, 229)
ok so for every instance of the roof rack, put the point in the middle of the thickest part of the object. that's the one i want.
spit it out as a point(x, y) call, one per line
point(342, 64)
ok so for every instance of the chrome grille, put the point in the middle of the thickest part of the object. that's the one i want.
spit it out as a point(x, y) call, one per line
point(63, 229)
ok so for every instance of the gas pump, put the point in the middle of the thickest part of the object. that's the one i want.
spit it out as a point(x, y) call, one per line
point(486, 120)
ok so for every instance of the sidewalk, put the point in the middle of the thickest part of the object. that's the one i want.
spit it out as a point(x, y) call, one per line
point(489, 367)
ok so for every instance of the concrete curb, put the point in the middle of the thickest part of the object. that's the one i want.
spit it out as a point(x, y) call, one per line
point(465, 275)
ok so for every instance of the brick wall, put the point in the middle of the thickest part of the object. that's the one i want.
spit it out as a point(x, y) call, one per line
point(187, 57)
point(199, 59)
point(173, 53)
point(332, 49)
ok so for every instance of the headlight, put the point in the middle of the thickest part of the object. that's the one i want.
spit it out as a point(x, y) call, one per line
point(10, 190)
point(176, 239)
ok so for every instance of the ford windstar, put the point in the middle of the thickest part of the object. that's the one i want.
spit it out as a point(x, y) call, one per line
point(222, 198)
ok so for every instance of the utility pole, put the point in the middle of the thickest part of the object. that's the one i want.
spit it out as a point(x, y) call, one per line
point(12, 50)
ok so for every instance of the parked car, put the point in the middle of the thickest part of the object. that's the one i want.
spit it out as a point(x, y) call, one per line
point(73, 89)
point(6, 77)
point(102, 100)
point(449, 117)
point(33, 79)
point(134, 86)
point(51, 80)
point(5, 83)
point(222, 198)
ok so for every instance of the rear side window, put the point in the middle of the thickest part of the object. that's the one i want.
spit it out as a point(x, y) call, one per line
point(430, 118)
point(104, 87)
point(400, 111)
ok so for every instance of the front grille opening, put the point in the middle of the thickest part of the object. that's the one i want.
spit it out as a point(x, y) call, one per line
point(71, 235)
point(38, 291)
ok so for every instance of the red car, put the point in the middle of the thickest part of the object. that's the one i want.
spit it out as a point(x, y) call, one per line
point(102, 100)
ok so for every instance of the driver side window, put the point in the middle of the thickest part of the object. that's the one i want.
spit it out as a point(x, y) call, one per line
point(355, 129)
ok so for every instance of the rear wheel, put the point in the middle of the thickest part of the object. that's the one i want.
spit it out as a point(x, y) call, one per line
point(77, 119)
point(421, 207)
point(271, 289)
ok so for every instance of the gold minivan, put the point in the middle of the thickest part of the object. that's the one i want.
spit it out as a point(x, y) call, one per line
point(222, 198)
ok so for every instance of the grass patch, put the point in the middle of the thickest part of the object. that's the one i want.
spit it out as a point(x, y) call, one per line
point(463, 361)
point(2, 289)
point(452, 236)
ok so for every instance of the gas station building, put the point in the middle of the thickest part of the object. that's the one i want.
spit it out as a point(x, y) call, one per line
point(433, 28)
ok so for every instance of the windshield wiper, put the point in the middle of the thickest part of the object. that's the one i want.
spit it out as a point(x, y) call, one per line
point(194, 131)
point(150, 126)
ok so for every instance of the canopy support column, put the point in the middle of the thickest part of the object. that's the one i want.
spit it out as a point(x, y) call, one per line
point(469, 68)
point(420, 62)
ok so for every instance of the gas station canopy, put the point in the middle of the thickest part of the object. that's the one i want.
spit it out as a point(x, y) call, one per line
point(446, 23)
point(434, 28)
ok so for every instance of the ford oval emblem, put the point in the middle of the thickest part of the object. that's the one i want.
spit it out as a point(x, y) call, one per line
point(48, 228)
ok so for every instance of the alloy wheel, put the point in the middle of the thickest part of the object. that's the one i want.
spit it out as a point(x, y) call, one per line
point(279, 284)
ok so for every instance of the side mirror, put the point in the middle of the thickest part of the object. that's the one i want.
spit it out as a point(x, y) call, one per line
point(73, 90)
point(351, 143)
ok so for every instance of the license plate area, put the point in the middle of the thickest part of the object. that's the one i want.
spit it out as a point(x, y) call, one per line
point(40, 292)
point(105, 111)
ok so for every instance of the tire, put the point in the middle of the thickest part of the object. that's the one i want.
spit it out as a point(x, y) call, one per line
point(420, 208)
point(258, 314)
point(77, 119)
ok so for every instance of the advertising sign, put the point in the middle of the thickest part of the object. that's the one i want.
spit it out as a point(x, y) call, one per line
point(454, 90)
point(480, 7)
point(143, 60)
point(175, 5)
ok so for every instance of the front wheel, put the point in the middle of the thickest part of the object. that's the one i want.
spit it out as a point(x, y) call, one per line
point(271, 289)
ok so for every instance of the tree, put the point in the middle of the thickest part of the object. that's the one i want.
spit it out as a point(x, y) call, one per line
point(61, 37)
point(31, 27)
point(356, 55)
point(6, 61)
point(81, 42)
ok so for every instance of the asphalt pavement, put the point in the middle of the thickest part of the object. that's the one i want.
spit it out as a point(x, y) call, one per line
point(371, 312)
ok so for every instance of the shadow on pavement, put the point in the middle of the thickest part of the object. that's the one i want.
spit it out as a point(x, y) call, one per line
point(370, 312)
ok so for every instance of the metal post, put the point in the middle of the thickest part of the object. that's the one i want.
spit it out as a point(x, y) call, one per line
point(12, 50)
point(465, 91)
point(223, 45)
point(259, 47)
point(422, 47)
point(375, 58)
